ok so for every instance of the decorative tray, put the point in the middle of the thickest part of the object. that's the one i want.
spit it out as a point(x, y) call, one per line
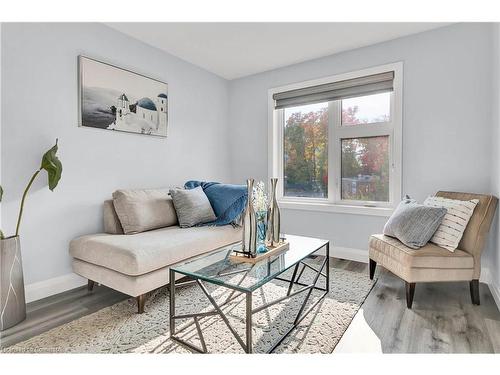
point(240, 257)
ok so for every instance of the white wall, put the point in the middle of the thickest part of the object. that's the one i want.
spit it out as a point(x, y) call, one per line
point(446, 120)
point(1, 118)
point(493, 256)
point(39, 100)
point(218, 130)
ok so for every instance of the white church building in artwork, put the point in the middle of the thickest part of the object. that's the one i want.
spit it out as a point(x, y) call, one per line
point(122, 107)
point(162, 109)
point(147, 110)
point(147, 116)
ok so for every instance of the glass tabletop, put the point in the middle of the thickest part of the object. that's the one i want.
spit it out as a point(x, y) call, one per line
point(218, 268)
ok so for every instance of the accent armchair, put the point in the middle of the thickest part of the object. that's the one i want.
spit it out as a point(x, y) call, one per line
point(432, 263)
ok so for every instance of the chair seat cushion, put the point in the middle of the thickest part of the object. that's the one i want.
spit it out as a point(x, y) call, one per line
point(428, 256)
point(144, 252)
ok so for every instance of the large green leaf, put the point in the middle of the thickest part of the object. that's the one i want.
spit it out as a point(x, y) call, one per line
point(53, 166)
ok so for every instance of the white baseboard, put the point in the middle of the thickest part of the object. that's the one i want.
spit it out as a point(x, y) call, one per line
point(348, 253)
point(47, 288)
point(487, 278)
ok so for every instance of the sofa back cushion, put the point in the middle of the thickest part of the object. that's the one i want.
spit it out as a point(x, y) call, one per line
point(112, 223)
point(144, 209)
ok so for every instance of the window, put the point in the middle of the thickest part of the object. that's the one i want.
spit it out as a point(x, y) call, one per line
point(336, 142)
point(368, 109)
point(365, 169)
point(305, 151)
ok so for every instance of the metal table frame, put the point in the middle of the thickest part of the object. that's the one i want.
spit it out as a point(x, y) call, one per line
point(247, 344)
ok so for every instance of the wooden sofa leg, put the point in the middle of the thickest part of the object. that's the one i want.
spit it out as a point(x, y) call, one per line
point(474, 291)
point(410, 292)
point(141, 301)
point(90, 285)
point(373, 265)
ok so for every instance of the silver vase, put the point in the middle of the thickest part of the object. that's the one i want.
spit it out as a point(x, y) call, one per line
point(273, 218)
point(249, 241)
point(12, 302)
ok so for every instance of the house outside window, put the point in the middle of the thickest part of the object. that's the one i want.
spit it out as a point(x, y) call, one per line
point(335, 143)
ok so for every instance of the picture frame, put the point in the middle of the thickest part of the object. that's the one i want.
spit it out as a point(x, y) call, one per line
point(117, 99)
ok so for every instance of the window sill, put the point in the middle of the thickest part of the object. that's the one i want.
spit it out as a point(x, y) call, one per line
point(336, 208)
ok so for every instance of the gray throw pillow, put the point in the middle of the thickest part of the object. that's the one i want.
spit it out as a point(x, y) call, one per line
point(192, 207)
point(414, 224)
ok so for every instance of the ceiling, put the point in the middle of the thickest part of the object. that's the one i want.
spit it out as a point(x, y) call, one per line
point(234, 50)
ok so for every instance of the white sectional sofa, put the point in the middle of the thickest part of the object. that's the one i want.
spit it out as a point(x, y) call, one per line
point(138, 263)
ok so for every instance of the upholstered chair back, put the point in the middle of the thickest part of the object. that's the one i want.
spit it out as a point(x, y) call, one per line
point(475, 234)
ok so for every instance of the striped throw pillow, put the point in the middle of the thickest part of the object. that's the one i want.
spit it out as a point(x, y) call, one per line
point(449, 233)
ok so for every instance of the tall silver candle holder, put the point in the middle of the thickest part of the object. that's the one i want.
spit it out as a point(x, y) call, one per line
point(249, 240)
point(273, 218)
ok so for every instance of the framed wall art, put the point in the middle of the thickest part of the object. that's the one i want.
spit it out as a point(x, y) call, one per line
point(117, 99)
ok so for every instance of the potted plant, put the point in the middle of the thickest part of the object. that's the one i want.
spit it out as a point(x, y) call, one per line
point(12, 301)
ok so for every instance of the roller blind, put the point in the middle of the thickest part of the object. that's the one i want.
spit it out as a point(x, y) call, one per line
point(372, 84)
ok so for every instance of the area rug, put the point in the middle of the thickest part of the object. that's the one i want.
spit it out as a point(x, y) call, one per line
point(119, 329)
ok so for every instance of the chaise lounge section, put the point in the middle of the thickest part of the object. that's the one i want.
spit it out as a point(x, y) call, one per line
point(136, 264)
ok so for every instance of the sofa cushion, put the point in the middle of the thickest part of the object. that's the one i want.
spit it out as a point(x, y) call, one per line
point(428, 256)
point(144, 252)
point(144, 209)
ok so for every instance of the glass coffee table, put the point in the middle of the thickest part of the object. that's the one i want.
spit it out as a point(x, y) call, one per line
point(218, 268)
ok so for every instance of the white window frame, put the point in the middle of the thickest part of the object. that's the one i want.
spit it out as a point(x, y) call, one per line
point(336, 132)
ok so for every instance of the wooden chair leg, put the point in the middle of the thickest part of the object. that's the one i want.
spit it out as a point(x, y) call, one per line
point(141, 301)
point(373, 265)
point(474, 291)
point(90, 285)
point(410, 292)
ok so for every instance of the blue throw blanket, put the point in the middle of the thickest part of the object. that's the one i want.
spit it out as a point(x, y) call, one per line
point(228, 201)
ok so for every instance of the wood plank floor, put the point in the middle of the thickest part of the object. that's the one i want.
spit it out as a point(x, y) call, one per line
point(59, 309)
point(443, 319)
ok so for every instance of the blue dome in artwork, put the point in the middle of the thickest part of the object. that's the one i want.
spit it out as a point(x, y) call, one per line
point(146, 103)
point(164, 96)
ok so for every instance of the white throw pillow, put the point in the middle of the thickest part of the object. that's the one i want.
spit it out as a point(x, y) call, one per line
point(451, 230)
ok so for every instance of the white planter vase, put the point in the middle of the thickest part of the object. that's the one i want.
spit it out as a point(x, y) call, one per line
point(12, 301)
